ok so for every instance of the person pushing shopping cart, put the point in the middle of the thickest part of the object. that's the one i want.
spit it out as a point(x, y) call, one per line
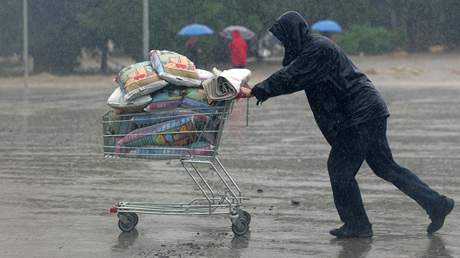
point(352, 116)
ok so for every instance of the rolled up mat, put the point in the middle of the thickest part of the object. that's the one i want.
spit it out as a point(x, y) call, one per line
point(226, 85)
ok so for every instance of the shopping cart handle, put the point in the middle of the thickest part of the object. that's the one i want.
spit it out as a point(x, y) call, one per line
point(241, 94)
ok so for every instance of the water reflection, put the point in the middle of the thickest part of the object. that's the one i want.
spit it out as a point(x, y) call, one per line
point(359, 248)
point(126, 239)
point(354, 247)
point(241, 242)
point(237, 245)
point(437, 248)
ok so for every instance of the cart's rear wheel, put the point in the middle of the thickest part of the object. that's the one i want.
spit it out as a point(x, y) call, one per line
point(245, 215)
point(128, 221)
point(240, 225)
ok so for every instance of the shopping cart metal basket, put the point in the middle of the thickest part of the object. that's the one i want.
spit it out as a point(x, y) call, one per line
point(193, 136)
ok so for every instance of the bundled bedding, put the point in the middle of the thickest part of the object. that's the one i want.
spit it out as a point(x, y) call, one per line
point(166, 107)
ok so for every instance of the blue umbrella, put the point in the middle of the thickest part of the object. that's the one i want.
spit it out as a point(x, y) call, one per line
point(326, 26)
point(195, 30)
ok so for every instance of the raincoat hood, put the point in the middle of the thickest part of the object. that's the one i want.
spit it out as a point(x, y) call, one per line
point(236, 34)
point(340, 96)
point(293, 31)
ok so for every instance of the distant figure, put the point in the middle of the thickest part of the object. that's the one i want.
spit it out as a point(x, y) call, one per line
point(193, 49)
point(330, 36)
point(238, 50)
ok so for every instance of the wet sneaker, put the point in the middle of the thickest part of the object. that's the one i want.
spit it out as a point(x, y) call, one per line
point(440, 214)
point(346, 231)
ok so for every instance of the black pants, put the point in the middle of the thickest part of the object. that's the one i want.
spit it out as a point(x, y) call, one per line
point(368, 142)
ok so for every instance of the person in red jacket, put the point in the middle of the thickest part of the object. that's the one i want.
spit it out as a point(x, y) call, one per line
point(238, 50)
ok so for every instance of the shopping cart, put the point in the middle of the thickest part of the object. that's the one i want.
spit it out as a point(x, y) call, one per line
point(190, 135)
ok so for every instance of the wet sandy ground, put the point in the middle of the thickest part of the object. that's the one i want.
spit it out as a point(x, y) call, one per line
point(56, 187)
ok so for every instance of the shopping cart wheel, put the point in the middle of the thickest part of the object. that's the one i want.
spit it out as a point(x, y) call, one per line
point(240, 225)
point(245, 215)
point(127, 221)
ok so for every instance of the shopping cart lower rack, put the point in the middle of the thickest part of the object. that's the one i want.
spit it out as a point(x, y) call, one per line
point(190, 135)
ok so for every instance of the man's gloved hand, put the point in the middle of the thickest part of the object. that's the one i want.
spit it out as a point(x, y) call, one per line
point(260, 95)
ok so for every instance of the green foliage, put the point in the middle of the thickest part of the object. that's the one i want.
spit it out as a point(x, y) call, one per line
point(10, 27)
point(370, 40)
point(55, 35)
point(58, 29)
point(119, 20)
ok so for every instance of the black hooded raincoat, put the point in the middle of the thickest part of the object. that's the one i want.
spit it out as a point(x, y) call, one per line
point(339, 95)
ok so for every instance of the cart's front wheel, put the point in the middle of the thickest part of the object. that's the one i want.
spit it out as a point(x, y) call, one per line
point(127, 221)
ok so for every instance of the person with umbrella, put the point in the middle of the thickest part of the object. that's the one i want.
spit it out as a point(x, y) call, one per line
point(193, 49)
point(352, 115)
point(327, 28)
point(192, 44)
point(238, 50)
point(238, 47)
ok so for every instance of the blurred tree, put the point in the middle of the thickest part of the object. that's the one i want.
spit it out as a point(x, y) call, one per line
point(60, 28)
point(54, 33)
point(451, 23)
point(10, 27)
point(118, 20)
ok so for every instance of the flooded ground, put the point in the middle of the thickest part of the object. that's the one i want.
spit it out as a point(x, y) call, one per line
point(56, 187)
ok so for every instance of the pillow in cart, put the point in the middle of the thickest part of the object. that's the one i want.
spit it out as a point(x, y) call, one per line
point(169, 93)
point(162, 105)
point(175, 68)
point(138, 80)
point(204, 74)
point(117, 101)
point(198, 148)
point(196, 94)
point(178, 132)
point(167, 98)
point(197, 106)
